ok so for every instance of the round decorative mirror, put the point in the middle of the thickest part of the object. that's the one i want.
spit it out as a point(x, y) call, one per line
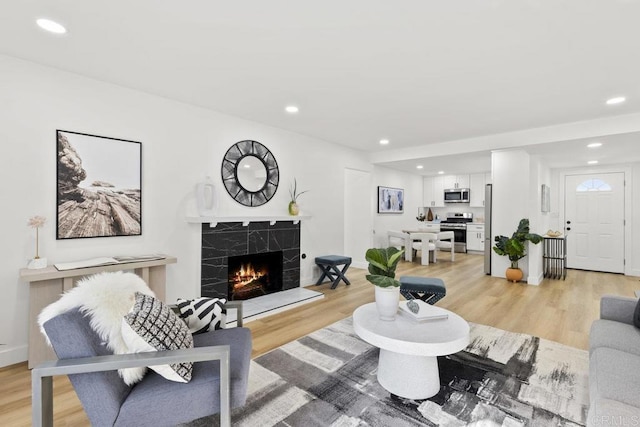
point(250, 173)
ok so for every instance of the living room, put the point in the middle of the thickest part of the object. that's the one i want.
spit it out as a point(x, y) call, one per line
point(183, 142)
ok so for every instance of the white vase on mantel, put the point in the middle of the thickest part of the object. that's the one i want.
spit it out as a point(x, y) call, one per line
point(387, 302)
point(205, 197)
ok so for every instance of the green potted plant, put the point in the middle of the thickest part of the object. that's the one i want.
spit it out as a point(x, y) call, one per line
point(514, 247)
point(382, 266)
point(293, 203)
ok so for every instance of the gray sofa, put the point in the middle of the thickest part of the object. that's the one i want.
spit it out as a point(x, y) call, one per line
point(614, 364)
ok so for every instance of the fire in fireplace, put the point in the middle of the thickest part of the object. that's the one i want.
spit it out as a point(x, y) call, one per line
point(254, 275)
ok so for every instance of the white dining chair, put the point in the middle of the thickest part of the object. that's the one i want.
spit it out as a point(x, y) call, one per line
point(426, 244)
point(447, 240)
point(398, 238)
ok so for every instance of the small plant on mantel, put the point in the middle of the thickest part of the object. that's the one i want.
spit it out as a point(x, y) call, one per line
point(293, 203)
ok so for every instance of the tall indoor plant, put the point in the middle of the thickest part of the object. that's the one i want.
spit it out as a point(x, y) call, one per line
point(514, 247)
point(382, 266)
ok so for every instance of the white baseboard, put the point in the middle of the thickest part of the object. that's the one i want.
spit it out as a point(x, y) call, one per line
point(361, 264)
point(10, 355)
point(535, 280)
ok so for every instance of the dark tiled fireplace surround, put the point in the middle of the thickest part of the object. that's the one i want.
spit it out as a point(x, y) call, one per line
point(233, 239)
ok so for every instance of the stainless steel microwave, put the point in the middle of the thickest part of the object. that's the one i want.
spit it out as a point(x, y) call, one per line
point(456, 195)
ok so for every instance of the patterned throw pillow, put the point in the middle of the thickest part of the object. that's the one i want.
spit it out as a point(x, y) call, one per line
point(152, 326)
point(203, 314)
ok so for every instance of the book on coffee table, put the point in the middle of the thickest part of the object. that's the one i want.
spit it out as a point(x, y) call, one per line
point(420, 311)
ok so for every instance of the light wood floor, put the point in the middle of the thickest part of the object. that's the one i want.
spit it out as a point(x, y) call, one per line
point(557, 310)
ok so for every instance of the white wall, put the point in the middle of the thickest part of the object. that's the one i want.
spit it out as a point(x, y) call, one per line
point(511, 201)
point(413, 192)
point(181, 145)
point(538, 220)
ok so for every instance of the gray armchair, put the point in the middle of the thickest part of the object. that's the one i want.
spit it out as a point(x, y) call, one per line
point(219, 379)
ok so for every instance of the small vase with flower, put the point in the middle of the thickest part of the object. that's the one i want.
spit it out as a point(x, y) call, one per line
point(37, 262)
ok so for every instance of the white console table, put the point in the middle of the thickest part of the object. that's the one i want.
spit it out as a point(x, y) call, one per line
point(47, 284)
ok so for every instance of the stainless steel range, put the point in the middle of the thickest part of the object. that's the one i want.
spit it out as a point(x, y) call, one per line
point(457, 222)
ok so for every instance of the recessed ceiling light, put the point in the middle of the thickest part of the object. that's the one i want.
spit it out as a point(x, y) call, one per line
point(384, 141)
point(419, 167)
point(595, 145)
point(440, 172)
point(51, 26)
point(247, 165)
point(592, 162)
point(292, 109)
point(616, 100)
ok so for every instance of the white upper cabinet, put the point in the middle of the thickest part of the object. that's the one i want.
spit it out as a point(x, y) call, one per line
point(477, 182)
point(456, 181)
point(433, 191)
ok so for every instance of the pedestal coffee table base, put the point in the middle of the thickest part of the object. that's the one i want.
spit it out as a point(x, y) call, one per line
point(408, 376)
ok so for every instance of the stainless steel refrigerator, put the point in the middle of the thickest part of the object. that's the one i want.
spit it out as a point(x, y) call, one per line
point(487, 229)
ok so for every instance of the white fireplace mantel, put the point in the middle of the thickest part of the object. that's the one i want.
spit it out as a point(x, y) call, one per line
point(245, 220)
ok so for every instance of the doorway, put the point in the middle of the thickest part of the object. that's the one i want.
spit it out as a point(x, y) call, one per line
point(594, 221)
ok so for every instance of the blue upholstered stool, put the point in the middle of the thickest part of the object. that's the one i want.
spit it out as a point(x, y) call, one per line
point(428, 289)
point(329, 266)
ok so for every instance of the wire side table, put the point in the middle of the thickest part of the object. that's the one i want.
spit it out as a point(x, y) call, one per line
point(554, 257)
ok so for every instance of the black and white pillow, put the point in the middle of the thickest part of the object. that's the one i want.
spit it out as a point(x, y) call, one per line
point(203, 314)
point(151, 325)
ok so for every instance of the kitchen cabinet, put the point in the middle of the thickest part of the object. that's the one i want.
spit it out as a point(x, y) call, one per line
point(477, 182)
point(475, 237)
point(433, 196)
point(456, 181)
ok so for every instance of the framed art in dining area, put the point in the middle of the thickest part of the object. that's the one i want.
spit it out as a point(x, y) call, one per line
point(99, 186)
point(390, 200)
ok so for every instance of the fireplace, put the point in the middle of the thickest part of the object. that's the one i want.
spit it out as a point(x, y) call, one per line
point(222, 244)
point(254, 275)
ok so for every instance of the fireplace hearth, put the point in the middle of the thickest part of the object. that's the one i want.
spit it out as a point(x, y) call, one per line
point(254, 275)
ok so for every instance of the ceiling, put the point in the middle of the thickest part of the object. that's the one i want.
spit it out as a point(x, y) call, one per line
point(415, 72)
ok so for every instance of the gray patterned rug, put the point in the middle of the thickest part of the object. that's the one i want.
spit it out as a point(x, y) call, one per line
point(328, 378)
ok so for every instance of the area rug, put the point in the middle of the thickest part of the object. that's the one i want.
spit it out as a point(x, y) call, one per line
point(328, 378)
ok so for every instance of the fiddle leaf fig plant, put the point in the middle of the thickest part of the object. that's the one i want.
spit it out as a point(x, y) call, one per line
point(514, 246)
point(382, 266)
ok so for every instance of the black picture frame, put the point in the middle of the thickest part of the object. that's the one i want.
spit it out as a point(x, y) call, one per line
point(233, 158)
point(98, 186)
point(390, 200)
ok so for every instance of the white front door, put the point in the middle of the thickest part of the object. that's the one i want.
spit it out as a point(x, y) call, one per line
point(358, 217)
point(594, 221)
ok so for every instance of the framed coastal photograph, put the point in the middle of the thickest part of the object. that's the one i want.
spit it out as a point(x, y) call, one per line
point(99, 186)
point(390, 200)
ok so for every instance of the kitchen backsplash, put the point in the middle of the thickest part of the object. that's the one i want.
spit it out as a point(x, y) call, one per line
point(478, 213)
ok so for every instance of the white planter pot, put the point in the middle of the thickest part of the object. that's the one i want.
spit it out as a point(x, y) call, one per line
point(387, 302)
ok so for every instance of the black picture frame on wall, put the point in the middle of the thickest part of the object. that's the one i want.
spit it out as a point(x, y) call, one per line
point(99, 186)
point(390, 200)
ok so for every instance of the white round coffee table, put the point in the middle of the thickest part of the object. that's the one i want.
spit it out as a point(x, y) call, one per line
point(408, 366)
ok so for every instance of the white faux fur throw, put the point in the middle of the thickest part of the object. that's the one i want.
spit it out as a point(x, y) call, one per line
point(107, 298)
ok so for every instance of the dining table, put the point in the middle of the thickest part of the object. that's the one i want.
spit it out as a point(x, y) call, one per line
point(440, 237)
